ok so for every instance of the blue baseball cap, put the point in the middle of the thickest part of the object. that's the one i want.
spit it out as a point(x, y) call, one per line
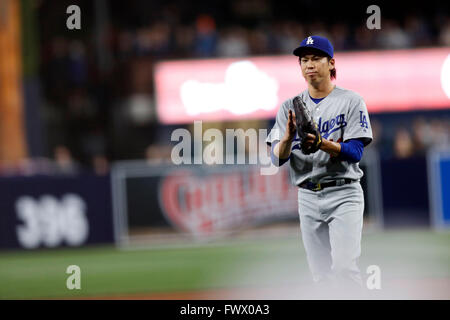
point(315, 42)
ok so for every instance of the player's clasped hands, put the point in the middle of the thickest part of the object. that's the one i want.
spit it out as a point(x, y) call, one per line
point(310, 138)
point(291, 129)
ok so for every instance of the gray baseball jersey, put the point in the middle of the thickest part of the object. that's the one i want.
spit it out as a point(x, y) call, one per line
point(341, 116)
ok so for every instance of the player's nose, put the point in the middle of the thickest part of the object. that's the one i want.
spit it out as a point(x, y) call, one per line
point(309, 65)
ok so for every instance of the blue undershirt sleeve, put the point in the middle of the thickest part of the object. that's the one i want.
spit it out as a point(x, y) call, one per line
point(351, 150)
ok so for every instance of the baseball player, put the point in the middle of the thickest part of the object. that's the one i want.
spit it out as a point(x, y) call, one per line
point(324, 164)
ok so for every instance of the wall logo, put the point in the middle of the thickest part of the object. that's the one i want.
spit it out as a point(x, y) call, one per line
point(206, 204)
point(49, 222)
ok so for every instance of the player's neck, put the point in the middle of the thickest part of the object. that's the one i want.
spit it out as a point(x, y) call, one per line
point(320, 90)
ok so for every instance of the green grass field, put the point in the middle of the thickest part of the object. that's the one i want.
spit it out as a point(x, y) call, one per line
point(107, 271)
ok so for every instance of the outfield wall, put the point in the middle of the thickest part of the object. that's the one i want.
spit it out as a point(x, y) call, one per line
point(196, 202)
point(55, 211)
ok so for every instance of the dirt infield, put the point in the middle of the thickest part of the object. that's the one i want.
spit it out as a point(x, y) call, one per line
point(427, 289)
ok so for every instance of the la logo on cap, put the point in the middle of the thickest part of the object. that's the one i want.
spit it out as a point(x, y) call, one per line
point(310, 40)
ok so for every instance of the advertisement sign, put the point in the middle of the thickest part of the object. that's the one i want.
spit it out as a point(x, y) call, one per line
point(255, 87)
point(50, 212)
point(171, 204)
point(198, 201)
point(204, 204)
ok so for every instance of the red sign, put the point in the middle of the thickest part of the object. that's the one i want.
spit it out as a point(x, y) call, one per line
point(206, 205)
point(255, 87)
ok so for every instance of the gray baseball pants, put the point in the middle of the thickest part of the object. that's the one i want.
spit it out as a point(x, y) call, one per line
point(331, 225)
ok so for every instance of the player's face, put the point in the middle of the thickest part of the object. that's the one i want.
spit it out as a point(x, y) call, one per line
point(316, 68)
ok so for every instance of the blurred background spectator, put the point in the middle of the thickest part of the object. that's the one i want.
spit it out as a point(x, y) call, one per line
point(64, 162)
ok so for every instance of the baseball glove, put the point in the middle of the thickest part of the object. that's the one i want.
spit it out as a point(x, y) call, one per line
point(305, 124)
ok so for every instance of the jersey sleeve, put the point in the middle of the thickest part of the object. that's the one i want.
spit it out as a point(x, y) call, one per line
point(358, 122)
point(279, 128)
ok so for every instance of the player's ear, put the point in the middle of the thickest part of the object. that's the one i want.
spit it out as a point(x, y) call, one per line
point(331, 63)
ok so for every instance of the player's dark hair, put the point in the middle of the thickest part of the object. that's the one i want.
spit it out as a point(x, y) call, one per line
point(332, 72)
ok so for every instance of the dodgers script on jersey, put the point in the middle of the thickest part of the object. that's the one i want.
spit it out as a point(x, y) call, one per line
point(340, 116)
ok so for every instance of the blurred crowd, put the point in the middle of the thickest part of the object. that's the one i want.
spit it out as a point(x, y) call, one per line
point(412, 136)
point(203, 37)
point(98, 101)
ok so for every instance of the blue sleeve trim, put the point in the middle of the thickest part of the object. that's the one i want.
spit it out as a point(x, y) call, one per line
point(351, 150)
point(275, 160)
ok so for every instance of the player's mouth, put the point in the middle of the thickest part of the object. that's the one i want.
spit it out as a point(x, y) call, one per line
point(311, 73)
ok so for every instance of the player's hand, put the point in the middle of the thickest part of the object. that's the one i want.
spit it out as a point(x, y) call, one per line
point(309, 140)
point(291, 127)
point(311, 143)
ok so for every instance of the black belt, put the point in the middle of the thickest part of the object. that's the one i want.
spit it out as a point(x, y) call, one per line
point(320, 186)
